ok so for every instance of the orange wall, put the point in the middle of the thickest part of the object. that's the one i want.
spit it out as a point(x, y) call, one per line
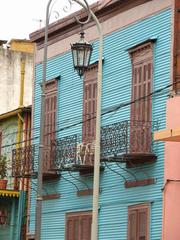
point(171, 219)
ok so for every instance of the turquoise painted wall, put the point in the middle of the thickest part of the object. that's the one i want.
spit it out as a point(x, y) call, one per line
point(114, 198)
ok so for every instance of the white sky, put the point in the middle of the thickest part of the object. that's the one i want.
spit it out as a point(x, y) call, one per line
point(18, 18)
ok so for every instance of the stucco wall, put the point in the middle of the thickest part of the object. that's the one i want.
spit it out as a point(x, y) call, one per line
point(9, 132)
point(10, 70)
point(172, 175)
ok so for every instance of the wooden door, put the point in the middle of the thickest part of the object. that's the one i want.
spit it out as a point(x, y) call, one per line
point(78, 226)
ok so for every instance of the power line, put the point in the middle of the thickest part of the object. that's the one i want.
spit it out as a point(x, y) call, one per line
point(58, 123)
point(114, 109)
point(61, 122)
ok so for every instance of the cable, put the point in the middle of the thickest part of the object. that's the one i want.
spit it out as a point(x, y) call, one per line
point(121, 175)
point(59, 122)
point(121, 105)
point(72, 118)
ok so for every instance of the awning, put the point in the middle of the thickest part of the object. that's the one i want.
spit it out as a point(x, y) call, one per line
point(9, 193)
point(168, 135)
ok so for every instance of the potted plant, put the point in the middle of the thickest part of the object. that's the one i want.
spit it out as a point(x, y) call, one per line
point(3, 172)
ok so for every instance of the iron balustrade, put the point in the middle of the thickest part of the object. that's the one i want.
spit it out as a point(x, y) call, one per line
point(24, 161)
point(117, 140)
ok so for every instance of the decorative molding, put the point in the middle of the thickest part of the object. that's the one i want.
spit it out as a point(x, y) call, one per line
point(138, 183)
point(51, 196)
point(112, 20)
point(65, 26)
point(86, 192)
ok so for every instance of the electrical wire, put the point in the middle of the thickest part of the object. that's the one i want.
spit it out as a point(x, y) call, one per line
point(114, 109)
point(72, 118)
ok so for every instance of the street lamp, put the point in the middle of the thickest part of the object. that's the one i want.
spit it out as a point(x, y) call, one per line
point(79, 66)
point(81, 53)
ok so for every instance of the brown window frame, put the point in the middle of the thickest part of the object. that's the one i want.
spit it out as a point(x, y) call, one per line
point(51, 89)
point(142, 70)
point(137, 209)
point(78, 217)
point(51, 107)
point(89, 104)
point(142, 84)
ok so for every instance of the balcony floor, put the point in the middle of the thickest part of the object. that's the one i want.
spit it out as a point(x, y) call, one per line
point(132, 158)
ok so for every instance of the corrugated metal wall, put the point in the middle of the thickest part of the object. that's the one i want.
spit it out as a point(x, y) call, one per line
point(114, 198)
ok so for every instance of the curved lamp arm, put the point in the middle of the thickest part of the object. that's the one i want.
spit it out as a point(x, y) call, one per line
point(94, 235)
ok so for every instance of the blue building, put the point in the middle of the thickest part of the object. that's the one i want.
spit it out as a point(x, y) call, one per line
point(136, 75)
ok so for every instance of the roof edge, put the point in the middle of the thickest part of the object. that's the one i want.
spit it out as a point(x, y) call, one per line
point(101, 9)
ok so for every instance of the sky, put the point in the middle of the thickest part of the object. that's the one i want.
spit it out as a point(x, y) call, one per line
point(19, 18)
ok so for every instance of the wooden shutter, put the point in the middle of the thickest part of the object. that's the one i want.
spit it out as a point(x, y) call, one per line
point(50, 121)
point(89, 105)
point(72, 228)
point(141, 110)
point(143, 224)
point(78, 226)
point(85, 223)
point(138, 222)
point(132, 225)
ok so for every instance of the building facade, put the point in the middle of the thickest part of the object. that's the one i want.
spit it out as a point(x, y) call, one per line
point(136, 76)
point(16, 67)
point(171, 136)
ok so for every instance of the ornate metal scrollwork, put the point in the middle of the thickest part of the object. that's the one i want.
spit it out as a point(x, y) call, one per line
point(114, 138)
point(65, 151)
point(24, 161)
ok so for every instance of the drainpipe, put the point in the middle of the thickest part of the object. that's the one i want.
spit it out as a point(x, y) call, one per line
point(10, 114)
point(21, 206)
point(19, 135)
point(28, 181)
point(20, 119)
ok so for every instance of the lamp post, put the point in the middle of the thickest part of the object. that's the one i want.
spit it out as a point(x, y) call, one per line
point(94, 232)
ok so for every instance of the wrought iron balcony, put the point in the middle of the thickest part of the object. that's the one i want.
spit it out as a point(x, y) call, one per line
point(126, 141)
point(25, 162)
point(129, 142)
point(73, 155)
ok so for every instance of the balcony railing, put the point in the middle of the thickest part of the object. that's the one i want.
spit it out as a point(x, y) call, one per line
point(126, 137)
point(24, 161)
point(126, 141)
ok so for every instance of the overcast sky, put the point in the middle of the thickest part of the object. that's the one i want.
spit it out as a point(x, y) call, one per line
point(18, 18)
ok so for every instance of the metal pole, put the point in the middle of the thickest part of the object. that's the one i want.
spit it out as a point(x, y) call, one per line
point(41, 144)
point(94, 235)
point(94, 230)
